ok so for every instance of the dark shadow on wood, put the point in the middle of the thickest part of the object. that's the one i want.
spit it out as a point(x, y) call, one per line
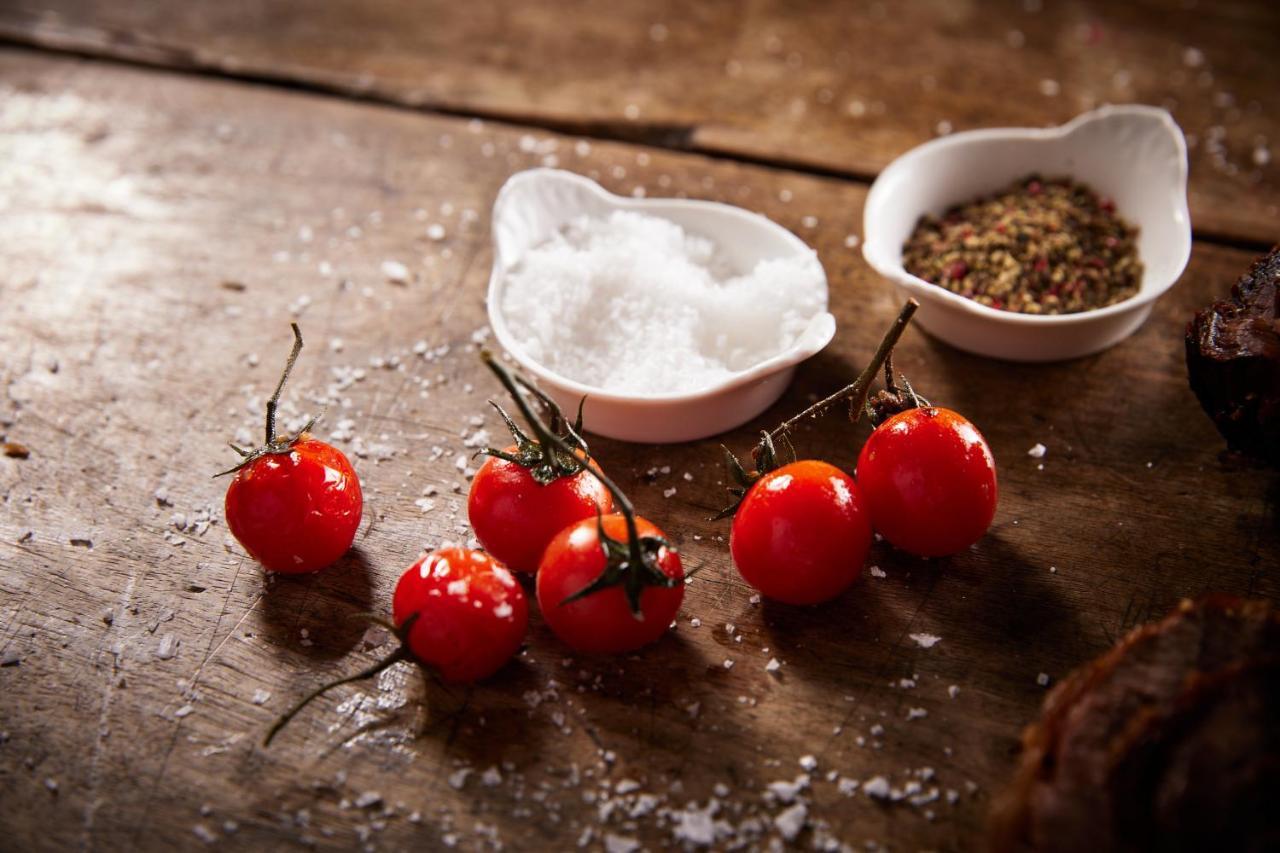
point(328, 605)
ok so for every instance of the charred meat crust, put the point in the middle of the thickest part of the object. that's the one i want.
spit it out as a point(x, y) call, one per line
point(1112, 763)
point(1233, 361)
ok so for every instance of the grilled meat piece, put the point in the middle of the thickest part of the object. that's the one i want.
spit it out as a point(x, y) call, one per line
point(1233, 360)
point(1168, 742)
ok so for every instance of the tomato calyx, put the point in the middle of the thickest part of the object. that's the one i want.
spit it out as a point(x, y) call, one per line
point(764, 454)
point(764, 457)
point(632, 564)
point(893, 400)
point(401, 653)
point(556, 449)
point(272, 444)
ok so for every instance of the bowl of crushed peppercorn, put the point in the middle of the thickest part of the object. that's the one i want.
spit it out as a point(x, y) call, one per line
point(1036, 244)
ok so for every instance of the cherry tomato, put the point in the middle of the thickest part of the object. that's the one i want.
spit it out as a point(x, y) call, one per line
point(930, 481)
point(801, 534)
point(471, 614)
point(514, 516)
point(296, 511)
point(602, 622)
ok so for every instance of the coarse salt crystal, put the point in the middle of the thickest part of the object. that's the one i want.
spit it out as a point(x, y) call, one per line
point(395, 272)
point(877, 787)
point(925, 641)
point(1037, 451)
point(791, 821)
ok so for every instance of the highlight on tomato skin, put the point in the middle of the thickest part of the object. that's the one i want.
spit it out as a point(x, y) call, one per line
point(801, 533)
point(514, 516)
point(469, 613)
point(602, 622)
point(296, 511)
point(929, 479)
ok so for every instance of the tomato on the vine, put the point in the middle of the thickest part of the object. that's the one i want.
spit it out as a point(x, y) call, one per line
point(457, 611)
point(295, 502)
point(296, 511)
point(514, 516)
point(469, 613)
point(929, 480)
point(524, 495)
point(801, 533)
point(589, 600)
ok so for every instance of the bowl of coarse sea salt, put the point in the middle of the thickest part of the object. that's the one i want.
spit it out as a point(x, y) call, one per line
point(675, 319)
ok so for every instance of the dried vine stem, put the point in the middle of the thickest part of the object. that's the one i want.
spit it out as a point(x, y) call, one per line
point(856, 393)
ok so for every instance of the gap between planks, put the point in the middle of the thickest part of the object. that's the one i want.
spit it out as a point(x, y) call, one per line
point(677, 138)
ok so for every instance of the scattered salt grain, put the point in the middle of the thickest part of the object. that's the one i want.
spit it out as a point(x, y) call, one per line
point(1037, 451)
point(772, 665)
point(679, 316)
point(436, 232)
point(168, 647)
point(808, 762)
point(877, 787)
point(916, 714)
point(1043, 679)
point(620, 844)
point(953, 691)
point(260, 697)
point(925, 641)
point(458, 778)
point(791, 821)
point(877, 572)
point(368, 799)
point(395, 272)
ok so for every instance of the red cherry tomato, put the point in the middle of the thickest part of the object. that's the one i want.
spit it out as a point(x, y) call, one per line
point(930, 481)
point(298, 511)
point(801, 534)
point(471, 613)
point(602, 622)
point(514, 516)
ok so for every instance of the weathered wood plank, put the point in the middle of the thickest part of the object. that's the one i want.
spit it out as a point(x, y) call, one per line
point(131, 198)
point(831, 85)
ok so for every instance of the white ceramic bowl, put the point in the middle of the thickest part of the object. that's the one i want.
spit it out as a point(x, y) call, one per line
point(535, 204)
point(1136, 155)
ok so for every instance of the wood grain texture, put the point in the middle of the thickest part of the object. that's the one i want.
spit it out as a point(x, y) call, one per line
point(829, 85)
point(160, 233)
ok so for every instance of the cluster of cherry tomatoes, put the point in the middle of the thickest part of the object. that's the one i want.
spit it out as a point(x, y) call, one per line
point(606, 580)
point(926, 482)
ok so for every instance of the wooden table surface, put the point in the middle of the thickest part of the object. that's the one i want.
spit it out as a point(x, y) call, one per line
point(179, 181)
